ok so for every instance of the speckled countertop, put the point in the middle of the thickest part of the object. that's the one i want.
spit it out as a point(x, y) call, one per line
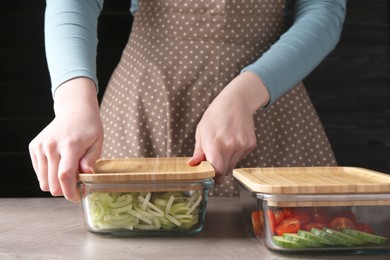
point(53, 228)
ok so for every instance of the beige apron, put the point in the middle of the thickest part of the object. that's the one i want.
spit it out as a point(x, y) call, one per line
point(180, 55)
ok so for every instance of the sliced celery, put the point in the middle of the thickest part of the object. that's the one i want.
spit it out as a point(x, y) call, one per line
point(143, 210)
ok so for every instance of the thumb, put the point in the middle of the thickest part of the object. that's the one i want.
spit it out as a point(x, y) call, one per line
point(87, 162)
point(198, 155)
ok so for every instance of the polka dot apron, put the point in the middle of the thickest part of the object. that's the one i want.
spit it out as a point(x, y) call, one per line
point(180, 55)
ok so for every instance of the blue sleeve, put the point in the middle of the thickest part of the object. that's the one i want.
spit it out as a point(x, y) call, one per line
point(313, 35)
point(71, 39)
point(133, 6)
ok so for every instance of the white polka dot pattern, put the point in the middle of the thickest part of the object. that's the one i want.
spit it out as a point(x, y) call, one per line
point(180, 55)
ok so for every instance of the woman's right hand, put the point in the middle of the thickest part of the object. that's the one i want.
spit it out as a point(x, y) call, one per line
point(72, 142)
point(226, 132)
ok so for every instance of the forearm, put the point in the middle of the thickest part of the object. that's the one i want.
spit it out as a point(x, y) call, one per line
point(71, 39)
point(314, 34)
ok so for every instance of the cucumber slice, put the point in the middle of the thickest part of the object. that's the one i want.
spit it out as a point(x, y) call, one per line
point(301, 240)
point(374, 239)
point(313, 237)
point(281, 242)
point(338, 234)
point(332, 238)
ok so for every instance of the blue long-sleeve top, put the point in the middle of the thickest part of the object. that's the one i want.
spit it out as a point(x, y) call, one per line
point(71, 42)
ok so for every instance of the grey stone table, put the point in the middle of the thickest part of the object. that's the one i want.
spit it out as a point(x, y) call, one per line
point(53, 228)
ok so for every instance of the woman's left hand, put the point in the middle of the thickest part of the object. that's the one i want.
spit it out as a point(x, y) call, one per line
point(226, 132)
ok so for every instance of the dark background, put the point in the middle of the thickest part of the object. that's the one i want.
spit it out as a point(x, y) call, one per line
point(350, 89)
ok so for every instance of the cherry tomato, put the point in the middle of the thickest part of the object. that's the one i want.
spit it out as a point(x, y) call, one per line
point(271, 221)
point(257, 222)
point(291, 212)
point(316, 225)
point(279, 216)
point(320, 215)
point(303, 218)
point(364, 228)
point(301, 213)
point(340, 223)
point(288, 212)
point(344, 213)
point(288, 225)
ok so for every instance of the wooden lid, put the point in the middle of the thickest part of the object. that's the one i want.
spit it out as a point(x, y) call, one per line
point(313, 180)
point(147, 169)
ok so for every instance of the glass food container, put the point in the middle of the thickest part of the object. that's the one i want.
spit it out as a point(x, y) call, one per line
point(146, 196)
point(316, 208)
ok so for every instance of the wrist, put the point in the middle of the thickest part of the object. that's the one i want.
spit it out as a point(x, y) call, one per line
point(75, 93)
point(254, 94)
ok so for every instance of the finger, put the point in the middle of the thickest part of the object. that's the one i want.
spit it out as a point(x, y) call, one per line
point(67, 171)
point(236, 158)
point(196, 159)
point(33, 157)
point(246, 153)
point(218, 161)
point(198, 155)
point(53, 160)
point(41, 172)
point(87, 163)
point(233, 162)
point(50, 157)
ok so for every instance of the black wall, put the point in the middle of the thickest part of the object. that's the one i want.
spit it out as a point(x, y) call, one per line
point(350, 89)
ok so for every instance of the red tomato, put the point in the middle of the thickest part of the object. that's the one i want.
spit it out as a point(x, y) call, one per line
point(340, 223)
point(301, 213)
point(279, 216)
point(288, 225)
point(303, 218)
point(257, 222)
point(271, 220)
point(320, 215)
point(344, 213)
point(316, 225)
point(364, 228)
point(291, 212)
point(288, 212)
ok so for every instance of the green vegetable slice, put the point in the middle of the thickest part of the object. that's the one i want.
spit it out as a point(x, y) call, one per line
point(160, 203)
point(179, 208)
point(332, 238)
point(121, 201)
point(305, 242)
point(195, 205)
point(350, 239)
point(145, 200)
point(374, 239)
point(157, 210)
point(117, 211)
point(281, 242)
point(97, 210)
point(314, 237)
point(173, 220)
point(140, 216)
point(169, 204)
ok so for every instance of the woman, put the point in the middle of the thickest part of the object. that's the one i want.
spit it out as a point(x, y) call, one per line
point(215, 80)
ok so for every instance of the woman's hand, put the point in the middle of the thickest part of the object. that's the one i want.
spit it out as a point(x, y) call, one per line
point(72, 142)
point(226, 132)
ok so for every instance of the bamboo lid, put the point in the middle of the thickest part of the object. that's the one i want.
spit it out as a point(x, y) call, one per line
point(147, 169)
point(313, 180)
